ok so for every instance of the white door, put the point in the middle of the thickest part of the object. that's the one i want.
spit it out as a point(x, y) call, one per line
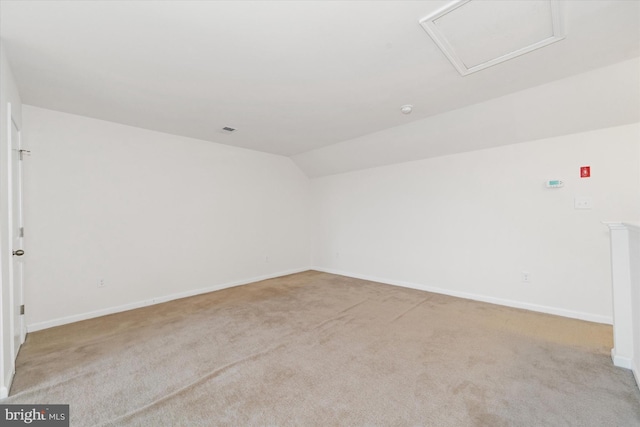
point(17, 239)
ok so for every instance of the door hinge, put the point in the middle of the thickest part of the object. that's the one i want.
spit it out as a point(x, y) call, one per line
point(22, 309)
point(21, 231)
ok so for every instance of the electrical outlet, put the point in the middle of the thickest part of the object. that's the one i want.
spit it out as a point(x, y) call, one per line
point(526, 277)
point(100, 283)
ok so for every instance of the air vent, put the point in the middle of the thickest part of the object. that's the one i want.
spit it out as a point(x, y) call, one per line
point(227, 129)
point(475, 35)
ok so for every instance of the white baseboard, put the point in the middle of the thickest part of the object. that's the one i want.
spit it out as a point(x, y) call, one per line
point(483, 298)
point(4, 390)
point(621, 361)
point(509, 303)
point(157, 300)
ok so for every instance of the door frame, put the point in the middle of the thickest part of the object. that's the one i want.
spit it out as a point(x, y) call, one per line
point(16, 293)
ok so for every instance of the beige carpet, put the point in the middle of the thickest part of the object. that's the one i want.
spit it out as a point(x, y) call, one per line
point(319, 349)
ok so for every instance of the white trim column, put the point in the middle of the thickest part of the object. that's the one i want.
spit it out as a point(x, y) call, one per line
point(622, 352)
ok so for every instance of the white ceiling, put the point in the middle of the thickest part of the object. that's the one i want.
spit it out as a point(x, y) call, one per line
point(290, 76)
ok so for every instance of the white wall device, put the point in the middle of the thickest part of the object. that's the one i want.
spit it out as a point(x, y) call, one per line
point(554, 183)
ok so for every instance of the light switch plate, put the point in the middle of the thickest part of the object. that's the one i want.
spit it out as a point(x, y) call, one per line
point(583, 203)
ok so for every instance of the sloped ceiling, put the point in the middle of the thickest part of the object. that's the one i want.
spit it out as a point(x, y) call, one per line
point(605, 97)
point(293, 77)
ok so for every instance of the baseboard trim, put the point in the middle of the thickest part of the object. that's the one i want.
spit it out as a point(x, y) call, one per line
point(157, 300)
point(621, 361)
point(476, 297)
point(4, 390)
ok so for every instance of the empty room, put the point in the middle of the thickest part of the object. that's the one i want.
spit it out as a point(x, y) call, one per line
point(292, 213)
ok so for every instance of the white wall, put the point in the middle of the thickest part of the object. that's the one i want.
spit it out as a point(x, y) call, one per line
point(469, 224)
point(8, 94)
point(154, 215)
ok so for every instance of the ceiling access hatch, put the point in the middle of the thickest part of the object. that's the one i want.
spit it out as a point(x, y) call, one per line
point(476, 34)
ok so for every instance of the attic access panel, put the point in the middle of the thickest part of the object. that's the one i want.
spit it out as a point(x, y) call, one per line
point(477, 34)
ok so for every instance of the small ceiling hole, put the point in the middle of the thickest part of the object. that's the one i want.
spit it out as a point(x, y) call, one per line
point(228, 129)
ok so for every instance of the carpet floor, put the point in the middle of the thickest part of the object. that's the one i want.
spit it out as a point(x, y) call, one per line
point(319, 349)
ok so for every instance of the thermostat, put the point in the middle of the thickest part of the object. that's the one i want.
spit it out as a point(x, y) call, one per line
point(554, 183)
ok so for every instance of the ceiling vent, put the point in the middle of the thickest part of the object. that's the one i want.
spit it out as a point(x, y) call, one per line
point(476, 34)
point(228, 129)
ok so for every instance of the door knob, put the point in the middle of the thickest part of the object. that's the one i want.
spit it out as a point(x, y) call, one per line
point(19, 252)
